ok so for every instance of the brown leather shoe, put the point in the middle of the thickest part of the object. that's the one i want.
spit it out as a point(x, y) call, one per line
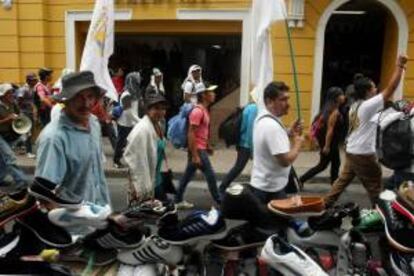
point(298, 206)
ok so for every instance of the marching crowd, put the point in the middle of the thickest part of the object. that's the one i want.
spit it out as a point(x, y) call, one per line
point(74, 113)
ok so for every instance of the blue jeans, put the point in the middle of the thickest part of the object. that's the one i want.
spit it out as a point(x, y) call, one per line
point(208, 172)
point(243, 156)
point(12, 178)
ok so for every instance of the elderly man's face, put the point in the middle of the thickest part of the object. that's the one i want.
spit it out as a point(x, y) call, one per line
point(79, 107)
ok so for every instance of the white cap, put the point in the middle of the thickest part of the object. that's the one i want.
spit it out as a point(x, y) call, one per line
point(199, 88)
point(4, 88)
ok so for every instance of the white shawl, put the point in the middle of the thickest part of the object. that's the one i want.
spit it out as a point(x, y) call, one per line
point(141, 157)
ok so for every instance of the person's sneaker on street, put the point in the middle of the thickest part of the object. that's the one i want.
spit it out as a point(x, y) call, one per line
point(353, 254)
point(398, 229)
point(48, 191)
point(11, 209)
point(242, 237)
point(369, 221)
point(196, 226)
point(113, 237)
point(47, 232)
point(8, 242)
point(152, 250)
point(88, 214)
point(183, 205)
point(289, 259)
point(402, 264)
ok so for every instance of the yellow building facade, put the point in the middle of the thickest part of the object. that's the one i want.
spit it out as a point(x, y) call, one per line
point(51, 33)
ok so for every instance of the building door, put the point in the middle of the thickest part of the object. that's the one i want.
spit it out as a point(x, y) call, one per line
point(361, 37)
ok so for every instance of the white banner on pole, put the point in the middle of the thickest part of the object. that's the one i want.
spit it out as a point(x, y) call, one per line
point(99, 46)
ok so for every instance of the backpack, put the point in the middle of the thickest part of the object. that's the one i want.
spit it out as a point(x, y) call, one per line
point(178, 126)
point(394, 139)
point(117, 112)
point(229, 129)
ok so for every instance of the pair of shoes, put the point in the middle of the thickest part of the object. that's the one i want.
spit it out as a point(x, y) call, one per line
point(183, 205)
point(11, 209)
point(289, 259)
point(398, 228)
point(52, 235)
point(50, 192)
point(30, 155)
point(152, 250)
point(295, 206)
point(88, 214)
point(402, 264)
point(197, 226)
point(114, 237)
point(353, 254)
point(242, 237)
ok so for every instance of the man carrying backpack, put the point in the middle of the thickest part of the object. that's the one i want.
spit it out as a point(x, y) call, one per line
point(198, 145)
point(245, 145)
point(360, 159)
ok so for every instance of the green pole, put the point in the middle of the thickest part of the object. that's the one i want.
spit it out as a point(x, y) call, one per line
point(295, 74)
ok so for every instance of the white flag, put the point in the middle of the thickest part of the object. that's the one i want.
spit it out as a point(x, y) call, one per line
point(99, 46)
point(264, 13)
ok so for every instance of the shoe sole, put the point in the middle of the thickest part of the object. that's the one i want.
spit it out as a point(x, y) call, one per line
point(294, 215)
point(20, 214)
point(391, 240)
point(42, 239)
point(40, 196)
point(9, 247)
point(239, 248)
point(217, 236)
point(396, 269)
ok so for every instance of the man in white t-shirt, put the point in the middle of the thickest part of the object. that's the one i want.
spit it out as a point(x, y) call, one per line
point(273, 154)
point(194, 76)
point(361, 160)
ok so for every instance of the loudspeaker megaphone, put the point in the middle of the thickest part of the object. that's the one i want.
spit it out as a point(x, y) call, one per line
point(22, 124)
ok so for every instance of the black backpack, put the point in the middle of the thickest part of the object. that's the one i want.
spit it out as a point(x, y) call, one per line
point(395, 143)
point(229, 129)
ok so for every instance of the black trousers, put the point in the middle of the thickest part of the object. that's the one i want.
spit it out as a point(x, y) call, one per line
point(121, 142)
point(333, 158)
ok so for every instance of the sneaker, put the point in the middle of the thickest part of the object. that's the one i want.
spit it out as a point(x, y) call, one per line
point(184, 205)
point(240, 238)
point(325, 239)
point(30, 155)
point(84, 254)
point(369, 221)
point(197, 226)
point(398, 229)
point(46, 190)
point(289, 259)
point(47, 232)
point(88, 214)
point(11, 209)
point(8, 242)
point(125, 270)
point(402, 264)
point(145, 270)
point(28, 244)
point(113, 237)
point(353, 254)
point(297, 206)
point(152, 250)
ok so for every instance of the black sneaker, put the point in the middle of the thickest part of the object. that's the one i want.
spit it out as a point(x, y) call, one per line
point(28, 245)
point(402, 264)
point(8, 241)
point(398, 229)
point(242, 237)
point(11, 209)
point(46, 190)
point(114, 237)
point(47, 232)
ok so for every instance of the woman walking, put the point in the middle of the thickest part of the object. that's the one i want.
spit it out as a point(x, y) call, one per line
point(330, 128)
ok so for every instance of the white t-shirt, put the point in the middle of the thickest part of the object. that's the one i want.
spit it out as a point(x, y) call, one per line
point(269, 139)
point(362, 139)
point(189, 89)
point(128, 118)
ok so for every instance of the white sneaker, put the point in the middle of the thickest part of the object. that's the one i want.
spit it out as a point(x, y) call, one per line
point(30, 155)
point(145, 270)
point(289, 259)
point(153, 250)
point(125, 270)
point(87, 215)
point(184, 205)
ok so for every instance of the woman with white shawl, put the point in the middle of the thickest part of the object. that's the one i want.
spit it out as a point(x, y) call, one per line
point(194, 76)
point(145, 151)
point(156, 85)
